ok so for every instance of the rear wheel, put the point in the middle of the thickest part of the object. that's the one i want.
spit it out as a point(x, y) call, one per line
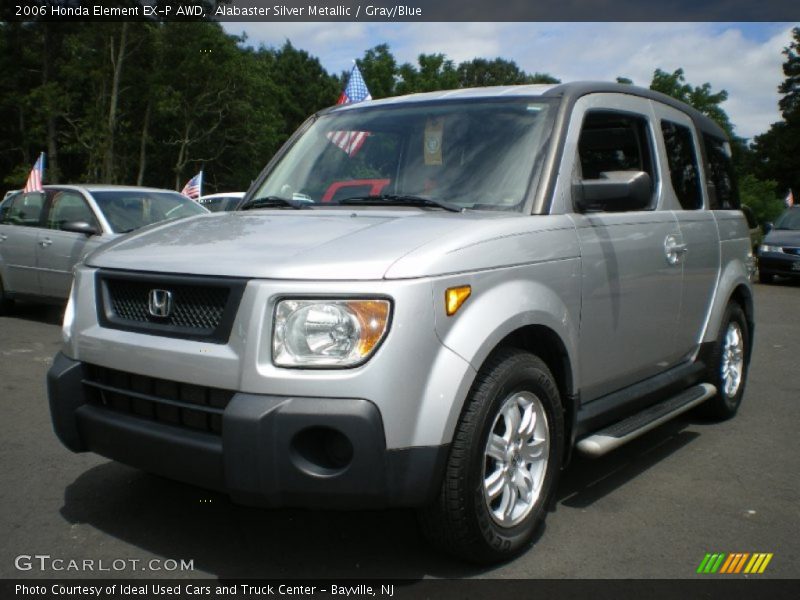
point(728, 365)
point(503, 463)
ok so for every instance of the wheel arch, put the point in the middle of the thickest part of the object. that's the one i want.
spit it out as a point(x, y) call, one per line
point(545, 343)
point(743, 296)
point(733, 286)
point(548, 345)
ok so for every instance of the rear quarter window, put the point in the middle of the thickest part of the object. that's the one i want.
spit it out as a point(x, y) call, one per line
point(722, 191)
point(682, 160)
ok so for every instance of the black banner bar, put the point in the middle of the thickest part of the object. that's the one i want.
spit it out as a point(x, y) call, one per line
point(711, 588)
point(401, 11)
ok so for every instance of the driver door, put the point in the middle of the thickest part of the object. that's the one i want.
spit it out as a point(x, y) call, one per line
point(631, 290)
point(59, 251)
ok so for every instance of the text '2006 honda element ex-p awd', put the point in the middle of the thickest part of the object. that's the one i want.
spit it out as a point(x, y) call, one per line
point(427, 301)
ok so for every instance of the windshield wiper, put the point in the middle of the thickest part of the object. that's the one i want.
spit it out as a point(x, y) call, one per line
point(273, 202)
point(400, 200)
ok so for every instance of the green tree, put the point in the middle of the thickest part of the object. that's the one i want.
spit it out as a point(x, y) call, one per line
point(302, 84)
point(482, 72)
point(790, 88)
point(761, 196)
point(777, 152)
point(432, 72)
point(701, 97)
point(379, 69)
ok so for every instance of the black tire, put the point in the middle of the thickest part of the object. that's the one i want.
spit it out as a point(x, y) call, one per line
point(725, 404)
point(6, 303)
point(460, 521)
point(765, 277)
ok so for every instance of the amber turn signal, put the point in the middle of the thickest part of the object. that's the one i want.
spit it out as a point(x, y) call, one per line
point(454, 297)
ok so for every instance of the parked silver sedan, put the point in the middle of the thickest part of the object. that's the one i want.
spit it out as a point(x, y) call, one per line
point(43, 235)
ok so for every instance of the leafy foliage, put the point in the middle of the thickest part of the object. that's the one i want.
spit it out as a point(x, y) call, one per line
point(149, 103)
point(761, 197)
point(153, 103)
point(777, 152)
point(701, 97)
point(436, 72)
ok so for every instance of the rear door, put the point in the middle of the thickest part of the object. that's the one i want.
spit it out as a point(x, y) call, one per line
point(684, 192)
point(57, 250)
point(19, 232)
point(631, 290)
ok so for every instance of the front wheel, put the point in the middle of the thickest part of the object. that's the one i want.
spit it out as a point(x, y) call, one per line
point(503, 463)
point(728, 364)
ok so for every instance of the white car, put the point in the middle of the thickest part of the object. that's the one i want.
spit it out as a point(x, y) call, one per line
point(221, 202)
point(9, 193)
point(44, 234)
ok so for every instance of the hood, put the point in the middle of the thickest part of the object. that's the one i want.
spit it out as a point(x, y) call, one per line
point(310, 244)
point(783, 237)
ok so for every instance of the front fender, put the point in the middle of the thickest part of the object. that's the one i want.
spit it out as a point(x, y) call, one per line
point(503, 301)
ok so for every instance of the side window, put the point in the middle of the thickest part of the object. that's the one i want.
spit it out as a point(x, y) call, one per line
point(25, 210)
point(722, 191)
point(612, 141)
point(68, 207)
point(682, 161)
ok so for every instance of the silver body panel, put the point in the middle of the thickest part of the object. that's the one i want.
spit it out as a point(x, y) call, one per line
point(601, 282)
point(18, 266)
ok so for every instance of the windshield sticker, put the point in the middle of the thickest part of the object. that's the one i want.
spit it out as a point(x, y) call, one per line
point(433, 142)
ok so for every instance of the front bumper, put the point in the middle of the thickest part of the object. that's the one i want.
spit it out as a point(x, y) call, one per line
point(271, 450)
point(773, 263)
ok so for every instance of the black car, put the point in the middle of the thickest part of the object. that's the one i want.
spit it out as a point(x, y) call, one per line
point(779, 253)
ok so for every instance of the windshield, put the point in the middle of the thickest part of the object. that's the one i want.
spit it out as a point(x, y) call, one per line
point(789, 220)
point(470, 154)
point(126, 210)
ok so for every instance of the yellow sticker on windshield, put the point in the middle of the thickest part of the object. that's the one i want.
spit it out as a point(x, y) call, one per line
point(433, 142)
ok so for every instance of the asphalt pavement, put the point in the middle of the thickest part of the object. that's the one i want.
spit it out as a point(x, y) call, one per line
point(651, 509)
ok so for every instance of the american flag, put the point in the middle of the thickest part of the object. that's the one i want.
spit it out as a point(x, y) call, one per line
point(355, 91)
point(349, 141)
point(789, 200)
point(36, 176)
point(356, 88)
point(193, 187)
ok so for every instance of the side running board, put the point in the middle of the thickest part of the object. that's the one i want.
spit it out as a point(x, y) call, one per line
point(621, 432)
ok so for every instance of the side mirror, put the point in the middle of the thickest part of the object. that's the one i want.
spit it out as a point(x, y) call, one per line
point(615, 191)
point(768, 226)
point(80, 227)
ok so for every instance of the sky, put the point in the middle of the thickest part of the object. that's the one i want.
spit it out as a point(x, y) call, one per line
point(743, 58)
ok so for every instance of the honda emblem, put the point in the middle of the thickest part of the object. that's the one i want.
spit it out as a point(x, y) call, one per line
point(160, 303)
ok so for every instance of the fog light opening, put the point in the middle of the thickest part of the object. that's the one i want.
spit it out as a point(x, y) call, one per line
point(321, 451)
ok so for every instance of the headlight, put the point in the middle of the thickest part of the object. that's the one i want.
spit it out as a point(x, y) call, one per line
point(328, 333)
point(69, 317)
point(769, 248)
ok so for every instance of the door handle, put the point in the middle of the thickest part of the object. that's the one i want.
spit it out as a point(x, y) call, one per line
point(45, 242)
point(674, 250)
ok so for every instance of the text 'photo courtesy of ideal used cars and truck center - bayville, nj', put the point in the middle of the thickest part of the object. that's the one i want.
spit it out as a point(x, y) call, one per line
point(358, 301)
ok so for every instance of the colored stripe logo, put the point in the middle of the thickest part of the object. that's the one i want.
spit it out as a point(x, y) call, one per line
point(734, 562)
